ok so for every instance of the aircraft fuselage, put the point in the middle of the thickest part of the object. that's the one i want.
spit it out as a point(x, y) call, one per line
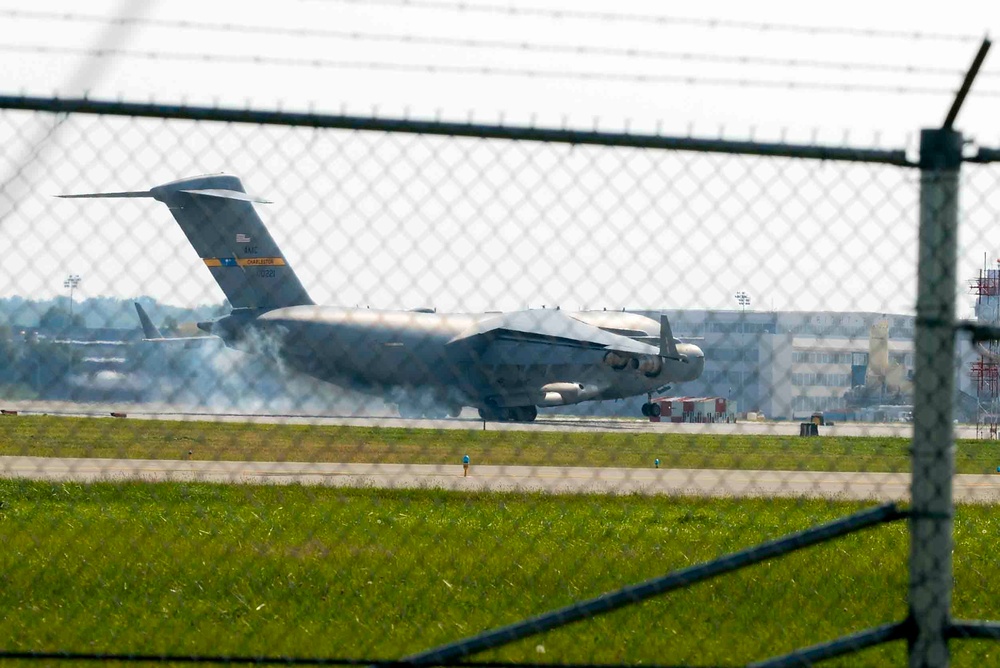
point(506, 364)
point(383, 351)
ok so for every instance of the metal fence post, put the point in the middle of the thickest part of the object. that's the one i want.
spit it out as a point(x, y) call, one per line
point(933, 455)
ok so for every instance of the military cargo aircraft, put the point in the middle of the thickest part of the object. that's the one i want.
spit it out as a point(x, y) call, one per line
point(430, 364)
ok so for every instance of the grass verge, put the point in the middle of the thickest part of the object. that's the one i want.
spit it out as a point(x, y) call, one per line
point(151, 439)
point(209, 569)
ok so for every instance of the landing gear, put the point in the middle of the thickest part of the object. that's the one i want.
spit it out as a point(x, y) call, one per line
point(513, 414)
point(524, 413)
point(651, 409)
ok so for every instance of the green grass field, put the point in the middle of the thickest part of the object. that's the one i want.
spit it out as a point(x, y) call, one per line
point(151, 439)
point(199, 568)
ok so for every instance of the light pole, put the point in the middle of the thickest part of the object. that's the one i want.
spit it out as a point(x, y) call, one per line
point(72, 282)
point(743, 299)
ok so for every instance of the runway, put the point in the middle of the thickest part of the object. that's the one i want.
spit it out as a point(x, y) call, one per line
point(678, 482)
point(467, 421)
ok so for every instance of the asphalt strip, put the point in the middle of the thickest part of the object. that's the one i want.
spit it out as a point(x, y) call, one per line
point(717, 483)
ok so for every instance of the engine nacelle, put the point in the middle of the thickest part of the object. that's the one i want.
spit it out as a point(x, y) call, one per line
point(617, 361)
point(648, 365)
point(561, 394)
point(651, 365)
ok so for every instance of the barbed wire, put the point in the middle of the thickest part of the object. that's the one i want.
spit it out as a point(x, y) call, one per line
point(632, 17)
point(497, 44)
point(487, 70)
point(86, 75)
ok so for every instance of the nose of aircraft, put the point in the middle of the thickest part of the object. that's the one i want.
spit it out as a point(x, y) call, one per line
point(696, 360)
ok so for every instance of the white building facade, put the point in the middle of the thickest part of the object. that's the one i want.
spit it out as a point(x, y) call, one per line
point(787, 365)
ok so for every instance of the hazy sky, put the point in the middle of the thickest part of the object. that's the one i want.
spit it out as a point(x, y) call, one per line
point(404, 221)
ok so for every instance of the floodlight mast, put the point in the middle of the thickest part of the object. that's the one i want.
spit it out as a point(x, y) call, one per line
point(743, 299)
point(72, 282)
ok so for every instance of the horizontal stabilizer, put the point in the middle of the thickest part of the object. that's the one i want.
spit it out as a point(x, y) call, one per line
point(134, 193)
point(206, 192)
point(227, 194)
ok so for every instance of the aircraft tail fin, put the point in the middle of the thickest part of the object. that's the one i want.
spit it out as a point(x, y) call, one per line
point(217, 216)
point(149, 330)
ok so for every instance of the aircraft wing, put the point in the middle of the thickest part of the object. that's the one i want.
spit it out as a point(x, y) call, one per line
point(186, 341)
point(150, 333)
point(549, 326)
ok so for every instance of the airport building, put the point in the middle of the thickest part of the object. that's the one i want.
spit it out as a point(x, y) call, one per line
point(788, 364)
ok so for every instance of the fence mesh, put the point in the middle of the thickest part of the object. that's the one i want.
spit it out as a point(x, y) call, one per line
point(510, 427)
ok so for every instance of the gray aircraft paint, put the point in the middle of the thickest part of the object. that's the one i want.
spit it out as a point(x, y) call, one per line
point(493, 361)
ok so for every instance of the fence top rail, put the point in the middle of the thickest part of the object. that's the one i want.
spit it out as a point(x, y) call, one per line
point(453, 129)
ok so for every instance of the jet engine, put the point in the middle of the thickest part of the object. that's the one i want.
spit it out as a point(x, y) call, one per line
point(561, 394)
point(649, 365)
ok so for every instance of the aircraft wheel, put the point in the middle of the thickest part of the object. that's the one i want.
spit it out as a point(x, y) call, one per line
point(655, 410)
point(645, 410)
point(488, 415)
point(454, 411)
point(529, 413)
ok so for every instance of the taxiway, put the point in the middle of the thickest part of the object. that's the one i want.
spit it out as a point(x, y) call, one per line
point(578, 480)
point(545, 422)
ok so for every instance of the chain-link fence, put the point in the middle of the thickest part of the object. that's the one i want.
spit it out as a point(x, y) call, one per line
point(554, 364)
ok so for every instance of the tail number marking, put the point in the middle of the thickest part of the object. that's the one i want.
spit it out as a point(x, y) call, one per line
point(265, 273)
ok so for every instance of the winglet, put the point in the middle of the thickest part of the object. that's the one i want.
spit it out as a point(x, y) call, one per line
point(668, 347)
point(149, 330)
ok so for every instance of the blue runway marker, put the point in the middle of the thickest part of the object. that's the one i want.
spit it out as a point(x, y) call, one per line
point(465, 465)
point(656, 463)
